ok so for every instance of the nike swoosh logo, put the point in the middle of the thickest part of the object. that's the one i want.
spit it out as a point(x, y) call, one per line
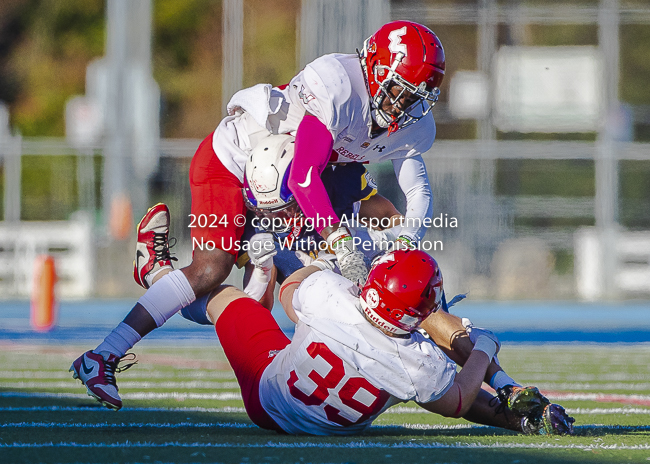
point(87, 371)
point(307, 181)
point(138, 255)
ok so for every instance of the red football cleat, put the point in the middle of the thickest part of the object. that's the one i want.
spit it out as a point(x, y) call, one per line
point(152, 250)
point(98, 375)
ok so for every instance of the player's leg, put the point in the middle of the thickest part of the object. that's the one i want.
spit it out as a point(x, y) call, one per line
point(215, 192)
point(250, 338)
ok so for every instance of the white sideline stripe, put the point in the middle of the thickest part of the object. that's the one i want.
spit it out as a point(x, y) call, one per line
point(397, 410)
point(157, 425)
point(75, 383)
point(592, 386)
point(534, 379)
point(131, 396)
point(352, 445)
point(167, 425)
point(409, 410)
point(608, 411)
point(553, 386)
point(237, 396)
point(595, 397)
point(227, 409)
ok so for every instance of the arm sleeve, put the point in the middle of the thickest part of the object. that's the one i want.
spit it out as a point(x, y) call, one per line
point(413, 180)
point(313, 150)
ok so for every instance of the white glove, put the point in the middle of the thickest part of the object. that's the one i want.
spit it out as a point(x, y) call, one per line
point(325, 261)
point(386, 235)
point(261, 253)
point(305, 258)
point(262, 250)
point(475, 332)
point(351, 262)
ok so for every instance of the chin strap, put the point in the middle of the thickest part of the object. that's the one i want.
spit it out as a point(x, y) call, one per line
point(392, 127)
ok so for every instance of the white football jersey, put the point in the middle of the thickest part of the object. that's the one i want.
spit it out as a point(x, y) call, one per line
point(333, 89)
point(340, 372)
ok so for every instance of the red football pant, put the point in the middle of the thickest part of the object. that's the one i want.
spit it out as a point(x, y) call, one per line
point(217, 202)
point(250, 337)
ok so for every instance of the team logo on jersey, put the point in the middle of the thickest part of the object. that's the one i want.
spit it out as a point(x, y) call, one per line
point(305, 97)
point(372, 298)
point(371, 182)
point(365, 144)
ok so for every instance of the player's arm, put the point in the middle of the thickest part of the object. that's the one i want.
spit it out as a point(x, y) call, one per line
point(264, 295)
point(326, 261)
point(413, 180)
point(449, 334)
point(290, 286)
point(378, 206)
point(459, 398)
point(312, 152)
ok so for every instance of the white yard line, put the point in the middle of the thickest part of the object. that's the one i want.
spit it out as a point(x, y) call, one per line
point(351, 445)
point(72, 383)
point(131, 396)
point(227, 409)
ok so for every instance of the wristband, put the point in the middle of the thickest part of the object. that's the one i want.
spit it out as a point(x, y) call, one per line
point(405, 243)
point(501, 379)
point(340, 242)
point(486, 345)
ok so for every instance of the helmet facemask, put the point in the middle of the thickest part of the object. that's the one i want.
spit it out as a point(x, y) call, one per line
point(423, 97)
point(281, 218)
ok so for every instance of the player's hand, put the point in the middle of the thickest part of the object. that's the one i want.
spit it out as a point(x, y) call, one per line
point(325, 262)
point(351, 262)
point(474, 332)
point(386, 235)
point(305, 258)
point(262, 250)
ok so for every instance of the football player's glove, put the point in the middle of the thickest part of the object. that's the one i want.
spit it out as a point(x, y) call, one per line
point(381, 237)
point(262, 250)
point(554, 421)
point(351, 262)
point(523, 401)
point(261, 253)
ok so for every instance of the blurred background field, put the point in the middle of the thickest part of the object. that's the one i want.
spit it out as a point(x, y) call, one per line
point(542, 153)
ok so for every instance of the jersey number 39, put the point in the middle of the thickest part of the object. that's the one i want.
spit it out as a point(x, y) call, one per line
point(325, 386)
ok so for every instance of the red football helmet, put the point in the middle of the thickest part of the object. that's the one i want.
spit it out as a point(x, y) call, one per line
point(409, 55)
point(402, 289)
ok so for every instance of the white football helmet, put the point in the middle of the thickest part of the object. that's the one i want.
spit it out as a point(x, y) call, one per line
point(266, 192)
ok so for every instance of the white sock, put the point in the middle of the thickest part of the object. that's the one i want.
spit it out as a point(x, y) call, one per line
point(501, 379)
point(119, 341)
point(167, 296)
